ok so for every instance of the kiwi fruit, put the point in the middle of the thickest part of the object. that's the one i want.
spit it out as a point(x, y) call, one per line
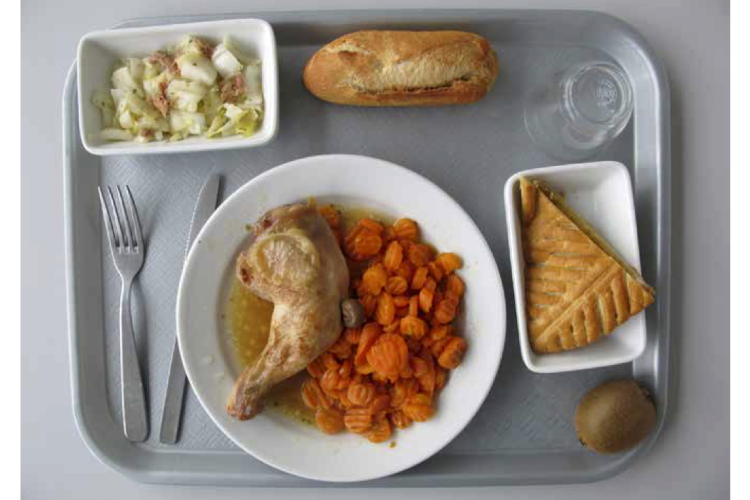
point(615, 416)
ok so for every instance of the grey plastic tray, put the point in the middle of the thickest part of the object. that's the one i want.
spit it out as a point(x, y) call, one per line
point(523, 434)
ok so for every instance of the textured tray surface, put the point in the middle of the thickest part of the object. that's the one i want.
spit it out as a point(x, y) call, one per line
point(469, 151)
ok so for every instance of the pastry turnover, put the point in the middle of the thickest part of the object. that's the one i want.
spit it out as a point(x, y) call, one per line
point(577, 287)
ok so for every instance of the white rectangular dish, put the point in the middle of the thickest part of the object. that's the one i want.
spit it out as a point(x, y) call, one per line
point(601, 192)
point(99, 51)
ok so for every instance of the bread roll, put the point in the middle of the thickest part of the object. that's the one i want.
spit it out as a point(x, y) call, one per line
point(402, 68)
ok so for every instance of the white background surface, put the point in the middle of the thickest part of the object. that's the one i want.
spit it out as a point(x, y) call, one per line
point(691, 458)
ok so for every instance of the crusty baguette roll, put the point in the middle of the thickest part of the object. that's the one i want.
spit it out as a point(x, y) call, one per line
point(402, 68)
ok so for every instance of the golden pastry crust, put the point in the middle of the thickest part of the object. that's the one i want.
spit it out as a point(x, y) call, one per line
point(577, 287)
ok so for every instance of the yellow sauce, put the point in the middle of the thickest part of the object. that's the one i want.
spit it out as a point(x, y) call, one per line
point(248, 319)
point(351, 215)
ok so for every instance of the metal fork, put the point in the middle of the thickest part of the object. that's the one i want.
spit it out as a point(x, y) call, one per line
point(128, 248)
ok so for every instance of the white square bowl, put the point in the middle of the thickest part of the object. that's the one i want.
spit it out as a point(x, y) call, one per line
point(98, 53)
point(601, 193)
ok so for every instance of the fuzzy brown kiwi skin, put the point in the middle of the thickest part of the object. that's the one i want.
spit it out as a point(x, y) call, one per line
point(615, 416)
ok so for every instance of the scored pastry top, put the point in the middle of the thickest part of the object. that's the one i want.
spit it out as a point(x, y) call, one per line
point(577, 287)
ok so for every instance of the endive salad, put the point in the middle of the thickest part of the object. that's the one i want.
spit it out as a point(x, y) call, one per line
point(195, 89)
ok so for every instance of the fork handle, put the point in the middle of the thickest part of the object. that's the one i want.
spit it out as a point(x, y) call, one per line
point(133, 399)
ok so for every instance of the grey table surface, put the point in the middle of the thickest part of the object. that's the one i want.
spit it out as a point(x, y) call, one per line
point(691, 458)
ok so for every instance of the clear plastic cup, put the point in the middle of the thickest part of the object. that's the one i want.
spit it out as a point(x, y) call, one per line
point(580, 111)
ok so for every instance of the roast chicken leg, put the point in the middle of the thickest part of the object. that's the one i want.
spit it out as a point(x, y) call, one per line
point(294, 262)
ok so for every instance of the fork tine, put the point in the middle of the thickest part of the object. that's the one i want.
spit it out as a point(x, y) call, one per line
point(126, 220)
point(134, 218)
point(113, 243)
point(118, 228)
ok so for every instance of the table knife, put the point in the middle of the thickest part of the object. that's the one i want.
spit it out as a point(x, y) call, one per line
point(173, 402)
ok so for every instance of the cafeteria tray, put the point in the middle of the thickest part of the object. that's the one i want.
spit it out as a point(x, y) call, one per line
point(523, 433)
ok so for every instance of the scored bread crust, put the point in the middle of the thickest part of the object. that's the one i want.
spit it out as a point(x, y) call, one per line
point(577, 288)
point(402, 68)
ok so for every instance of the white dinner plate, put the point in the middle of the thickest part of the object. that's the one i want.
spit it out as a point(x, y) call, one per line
point(278, 440)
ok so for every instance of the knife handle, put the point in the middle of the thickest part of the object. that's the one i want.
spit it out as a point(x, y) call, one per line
point(173, 402)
